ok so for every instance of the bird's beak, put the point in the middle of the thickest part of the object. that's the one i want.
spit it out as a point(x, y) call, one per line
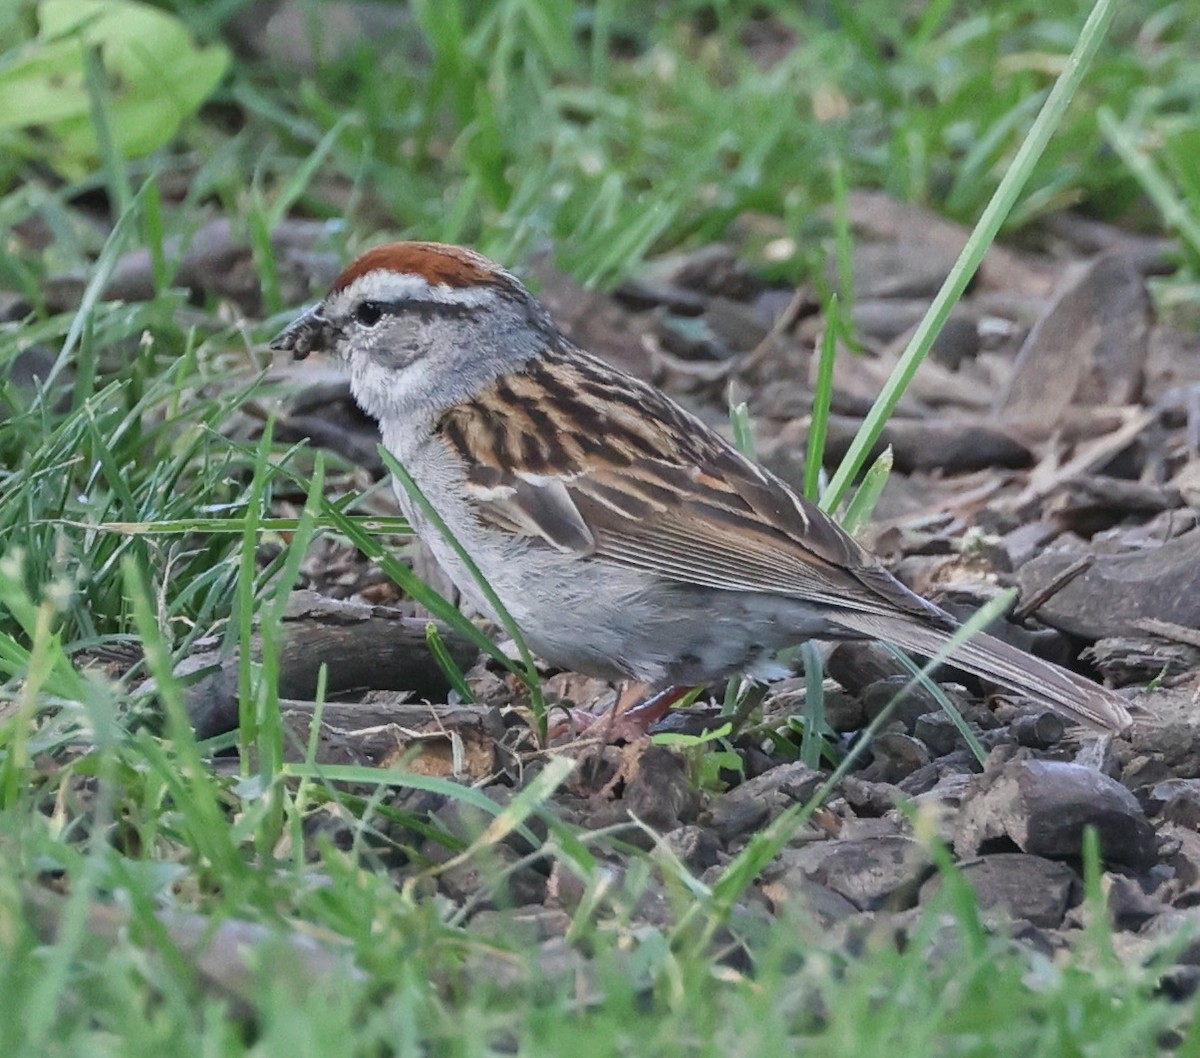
point(310, 333)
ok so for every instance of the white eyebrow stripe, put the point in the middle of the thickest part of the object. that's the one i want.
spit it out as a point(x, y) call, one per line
point(386, 286)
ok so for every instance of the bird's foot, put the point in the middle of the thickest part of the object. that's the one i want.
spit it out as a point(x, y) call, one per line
point(633, 711)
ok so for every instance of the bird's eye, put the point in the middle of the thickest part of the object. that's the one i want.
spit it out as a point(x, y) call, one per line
point(369, 313)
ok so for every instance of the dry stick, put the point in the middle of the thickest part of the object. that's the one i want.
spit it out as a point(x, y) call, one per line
point(1087, 456)
point(1040, 598)
point(366, 647)
point(783, 322)
point(1170, 630)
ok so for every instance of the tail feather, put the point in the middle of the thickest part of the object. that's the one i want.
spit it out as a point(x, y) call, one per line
point(1080, 699)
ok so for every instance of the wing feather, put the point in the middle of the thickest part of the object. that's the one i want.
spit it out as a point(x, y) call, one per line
point(635, 480)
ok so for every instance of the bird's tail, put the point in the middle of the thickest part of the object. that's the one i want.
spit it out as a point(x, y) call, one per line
point(1074, 696)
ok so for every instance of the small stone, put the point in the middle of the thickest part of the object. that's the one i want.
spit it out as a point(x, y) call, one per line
point(465, 822)
point(1046, 943)
point(711, 269)
point(691, 338)
point(697, 847)
point(921, 780)
point(749, 806)
point(899, 270)
point(661, 793)
point(489, 869)
point(1119, 590)
point(1172, 926)
point(955, 445)
point(857, 827)
point(959, 762)
point(937, 731)
point(1182, 854)
point(938, 807)
point(1099, 754)
point(1043, 807)
point(876, 872)
point(1142, 771)
point(791, 888)
point(459, 820)
point(857, 664)
point(895, 756)
point(882, 319)
point(566, 890)
point(869, 798)
point(1178, 744)
point(844, 711)
point(1140, 659)
point(650, 291)
point(1177, 801)
point(735, 323)
point(756, 761)
point(551, 969)
point(1039, 730)
point(1129, 906)
point(915, 703)
point(653, 905)
point(958, 340)
point(1179, 983)
point(1024, 887)
point(734, 818)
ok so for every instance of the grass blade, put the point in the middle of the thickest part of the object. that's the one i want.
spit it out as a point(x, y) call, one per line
point(994, 214)
point(814, 455)
point(814, 705)
point(1174, 210)
point(446, 663)
point(861, 507)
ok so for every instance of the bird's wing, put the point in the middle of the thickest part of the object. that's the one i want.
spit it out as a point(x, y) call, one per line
point(584, 459)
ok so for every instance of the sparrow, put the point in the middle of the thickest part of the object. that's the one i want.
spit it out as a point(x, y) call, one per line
point(626, 538)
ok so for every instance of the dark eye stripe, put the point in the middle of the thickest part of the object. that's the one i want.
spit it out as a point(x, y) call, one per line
point(369, 313)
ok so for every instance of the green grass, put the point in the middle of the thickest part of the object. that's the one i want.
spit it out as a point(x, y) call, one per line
point(602, 133)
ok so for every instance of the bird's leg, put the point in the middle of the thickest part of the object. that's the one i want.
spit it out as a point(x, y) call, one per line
point(603, 718)
point(631, 693)
point(634, 712)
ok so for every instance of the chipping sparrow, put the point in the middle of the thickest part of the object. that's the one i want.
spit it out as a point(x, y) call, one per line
point(625, 537)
